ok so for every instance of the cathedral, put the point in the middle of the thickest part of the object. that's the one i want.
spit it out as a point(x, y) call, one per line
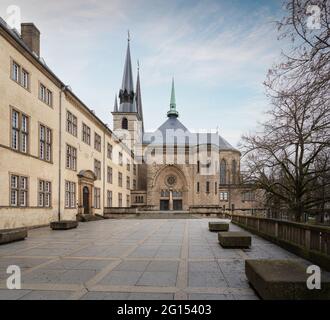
point(60, 161)
point(178, 169)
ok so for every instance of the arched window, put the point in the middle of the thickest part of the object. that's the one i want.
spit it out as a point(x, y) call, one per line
point(234, 170)
point(124, 124)
point(223, 170)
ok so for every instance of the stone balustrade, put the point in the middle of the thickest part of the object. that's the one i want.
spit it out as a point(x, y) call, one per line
point(309, 241)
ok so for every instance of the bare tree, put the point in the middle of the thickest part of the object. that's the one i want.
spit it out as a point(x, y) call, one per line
point(290, 158)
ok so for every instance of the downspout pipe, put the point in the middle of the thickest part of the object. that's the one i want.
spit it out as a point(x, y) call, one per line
point(63, 89)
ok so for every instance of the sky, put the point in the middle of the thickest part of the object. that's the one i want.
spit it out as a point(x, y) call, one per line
point(218, 52)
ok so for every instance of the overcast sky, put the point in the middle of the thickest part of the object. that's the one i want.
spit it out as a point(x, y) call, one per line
point(218, 51)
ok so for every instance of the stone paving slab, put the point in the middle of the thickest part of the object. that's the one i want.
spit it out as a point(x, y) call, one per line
point(133, 259)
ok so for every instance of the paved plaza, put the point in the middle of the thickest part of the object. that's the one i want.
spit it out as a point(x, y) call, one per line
point(132, 259)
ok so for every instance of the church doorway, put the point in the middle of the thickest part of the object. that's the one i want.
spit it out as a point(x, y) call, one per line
point(177, 205)
point(164, 205)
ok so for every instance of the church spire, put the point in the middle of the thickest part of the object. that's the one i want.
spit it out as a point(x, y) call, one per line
point(126, 93)
point(115, 108)
point(172, 112)
point(138, 95)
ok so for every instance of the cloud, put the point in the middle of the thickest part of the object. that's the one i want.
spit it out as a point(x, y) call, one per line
point(215, 52)
point(218, 51)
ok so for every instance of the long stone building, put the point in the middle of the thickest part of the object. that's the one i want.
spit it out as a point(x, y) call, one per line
point(59, 160)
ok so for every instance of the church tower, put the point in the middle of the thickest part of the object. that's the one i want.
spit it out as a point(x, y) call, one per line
point(128, 115)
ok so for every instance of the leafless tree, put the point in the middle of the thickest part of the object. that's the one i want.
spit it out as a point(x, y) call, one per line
point(290, 158)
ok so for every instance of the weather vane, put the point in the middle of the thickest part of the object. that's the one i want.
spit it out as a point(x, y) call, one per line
point(128, 35)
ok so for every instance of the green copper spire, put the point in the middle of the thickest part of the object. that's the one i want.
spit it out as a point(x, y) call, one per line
point(173, 112)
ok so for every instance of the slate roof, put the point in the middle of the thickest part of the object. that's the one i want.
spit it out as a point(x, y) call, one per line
point(173, 131)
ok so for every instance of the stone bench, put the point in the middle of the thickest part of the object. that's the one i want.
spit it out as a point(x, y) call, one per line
point(11, 235)
point(283, 280)
point(234, 239)
point(218, 226)
point(64, 225)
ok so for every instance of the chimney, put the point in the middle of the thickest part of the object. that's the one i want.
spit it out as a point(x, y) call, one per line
point(31, 36)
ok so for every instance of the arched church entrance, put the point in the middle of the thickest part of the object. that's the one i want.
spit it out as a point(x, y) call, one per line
point(170, 188)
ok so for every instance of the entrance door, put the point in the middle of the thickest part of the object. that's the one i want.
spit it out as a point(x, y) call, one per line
point(86, 200)
point(177, 205)
point(164, 205)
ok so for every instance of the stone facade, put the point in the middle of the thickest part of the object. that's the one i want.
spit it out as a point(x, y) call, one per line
point(58, 159)
point(26, 168)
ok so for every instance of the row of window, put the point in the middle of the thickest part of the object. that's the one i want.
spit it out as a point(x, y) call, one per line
point(20, 142)
point(223, 171)
point(20, 122)
point(207, 187)
point(166, 194)
point(120, 199)
point(19, 192)
point(70, 197)
point(139, 199)
point(22, 77)
point(71, 127)
point(71, 163)
point(20, 130)
point(245, 196)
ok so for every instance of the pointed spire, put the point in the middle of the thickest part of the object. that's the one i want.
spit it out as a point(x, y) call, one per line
point(173, 112)
point(138, 95)
point(115, 109)
point(127, 83)
point(126, 93)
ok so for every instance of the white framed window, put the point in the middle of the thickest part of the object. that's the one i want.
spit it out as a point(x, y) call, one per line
point(19, 131)
point(45, 95)
point(128, 183)
point(71, 123)
point(97, 169)
point(45, 143)
point(70, 194)
point(44, 194)
point(109, 175)
point(15, 72)
point(97, 142)
point(109, 199)
point(18, 191)
point(97, 198)
point(224, 196)
point(71, 157)
point(109, 151)
point(86, 134)
point(120, 179)
point(25, 79)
